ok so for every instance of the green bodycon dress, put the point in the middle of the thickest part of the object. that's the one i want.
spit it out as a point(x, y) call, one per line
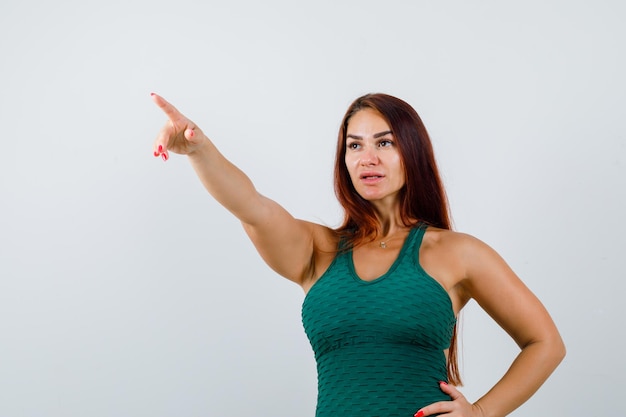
point(379, 344)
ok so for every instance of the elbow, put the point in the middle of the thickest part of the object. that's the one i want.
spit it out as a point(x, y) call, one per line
point(556, 351)
point(561, 350)
point(550, 349)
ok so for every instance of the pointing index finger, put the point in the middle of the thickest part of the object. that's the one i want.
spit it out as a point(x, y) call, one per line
point(172, 113)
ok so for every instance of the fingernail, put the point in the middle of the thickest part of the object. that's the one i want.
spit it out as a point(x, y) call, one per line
point(419, 414)
point(152, 94)
point(164, 156)
point(156, 153)
point(443, 382)
point(191, 133)
point(160, 148)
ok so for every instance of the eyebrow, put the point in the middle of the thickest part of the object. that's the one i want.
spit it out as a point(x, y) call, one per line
point(376, 135)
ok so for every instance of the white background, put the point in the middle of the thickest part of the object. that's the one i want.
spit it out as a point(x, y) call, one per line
point(126, 291)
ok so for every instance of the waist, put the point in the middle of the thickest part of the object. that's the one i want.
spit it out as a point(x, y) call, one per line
point(371, 378)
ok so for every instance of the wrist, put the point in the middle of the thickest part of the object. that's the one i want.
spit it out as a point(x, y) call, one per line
point(201, 149)
point(478, 410)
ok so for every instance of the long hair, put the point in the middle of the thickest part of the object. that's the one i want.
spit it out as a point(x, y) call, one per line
point(423, 197)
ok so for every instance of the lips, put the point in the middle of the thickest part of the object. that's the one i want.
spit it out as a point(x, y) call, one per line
point(371, 178)
point(371, 175)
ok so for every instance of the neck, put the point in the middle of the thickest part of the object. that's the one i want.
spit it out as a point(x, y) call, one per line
point(390, 234)
point(390, 229)
point(389, 221)
point(390, 224)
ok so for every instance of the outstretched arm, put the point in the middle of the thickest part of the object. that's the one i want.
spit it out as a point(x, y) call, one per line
point(285, 243)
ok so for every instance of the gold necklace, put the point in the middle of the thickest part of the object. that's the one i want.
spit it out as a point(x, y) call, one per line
point(383, 243)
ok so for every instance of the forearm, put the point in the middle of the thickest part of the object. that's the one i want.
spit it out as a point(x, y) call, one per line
point(230, 186)
point(285, 243)
point(528, 372)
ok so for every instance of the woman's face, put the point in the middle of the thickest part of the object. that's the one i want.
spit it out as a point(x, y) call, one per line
point(373, 158)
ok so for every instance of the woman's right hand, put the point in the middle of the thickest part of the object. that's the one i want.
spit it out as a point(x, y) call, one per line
point(179, 135)
point(288, 245)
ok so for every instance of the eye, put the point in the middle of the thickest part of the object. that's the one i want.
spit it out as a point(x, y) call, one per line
point(385, 143)
point(353, 145)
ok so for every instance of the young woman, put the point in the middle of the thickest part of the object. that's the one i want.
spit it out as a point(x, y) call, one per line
point(383, 290)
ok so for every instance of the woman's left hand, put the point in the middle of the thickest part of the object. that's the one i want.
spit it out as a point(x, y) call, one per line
point(458, 407)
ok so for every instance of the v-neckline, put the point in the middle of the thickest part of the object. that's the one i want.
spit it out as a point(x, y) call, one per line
point(389, 271)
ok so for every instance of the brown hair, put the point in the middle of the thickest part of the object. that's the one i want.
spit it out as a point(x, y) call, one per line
point(422, 199)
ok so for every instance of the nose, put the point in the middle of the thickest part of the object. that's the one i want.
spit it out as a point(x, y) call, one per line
point(369, 157)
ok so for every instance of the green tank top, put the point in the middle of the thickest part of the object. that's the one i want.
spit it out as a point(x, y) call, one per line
point(379, 344)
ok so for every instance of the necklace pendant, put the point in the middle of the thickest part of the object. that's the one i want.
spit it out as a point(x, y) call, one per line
point(383, 245)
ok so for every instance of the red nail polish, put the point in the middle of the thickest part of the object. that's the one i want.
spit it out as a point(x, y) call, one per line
point(152, 94)
point(443, 382)
point(160, 148)
point(192, 133)
point(156, 153)
point(164, 156)
point(419, 414)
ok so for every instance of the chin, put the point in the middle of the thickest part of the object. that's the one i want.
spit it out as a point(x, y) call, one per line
point(372, 198)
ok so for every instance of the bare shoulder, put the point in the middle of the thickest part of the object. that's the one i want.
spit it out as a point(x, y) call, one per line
point(452, 246)
point(443, 237)
point(449, 257)
point(478, 268)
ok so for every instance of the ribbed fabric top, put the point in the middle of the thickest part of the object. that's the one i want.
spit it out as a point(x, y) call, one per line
point(379, 344)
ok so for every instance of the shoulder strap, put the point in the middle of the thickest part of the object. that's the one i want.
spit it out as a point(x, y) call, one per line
point(415, 241)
